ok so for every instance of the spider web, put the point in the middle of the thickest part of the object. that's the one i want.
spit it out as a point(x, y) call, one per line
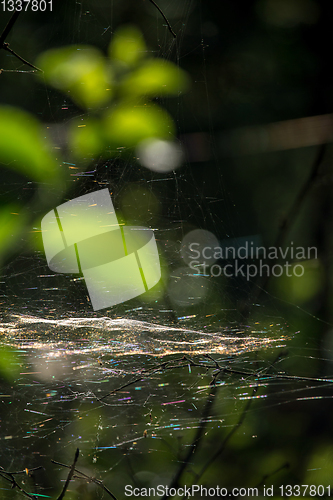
point(133, 387)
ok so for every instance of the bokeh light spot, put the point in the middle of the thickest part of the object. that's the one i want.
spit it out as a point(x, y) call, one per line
point(159, 156)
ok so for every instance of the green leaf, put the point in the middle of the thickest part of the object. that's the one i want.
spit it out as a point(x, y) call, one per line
point(11, 222)
point(127, 45)
point(127, 125)
point(9, 364)
point(86, 138)
point(303, 283)
point(80, 70)
point(156, 77)
point(23, 147)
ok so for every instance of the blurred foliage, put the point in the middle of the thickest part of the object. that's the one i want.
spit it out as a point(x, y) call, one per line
point(302, 283)
point(9, 363)
point(23, 147)
point(11, 222)
point(130, 124)
point(79, 70)
point(115, 93)
point(127, 81)
point(26, 152)
point(128, 47)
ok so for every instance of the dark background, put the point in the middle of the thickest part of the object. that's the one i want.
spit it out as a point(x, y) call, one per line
point(251, 64)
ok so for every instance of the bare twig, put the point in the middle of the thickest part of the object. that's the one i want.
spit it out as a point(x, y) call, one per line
point(84, 476)
point(289, 219)
point(9, 476)
point(15, 71)
point(195, 443)
point(267, 476)
point(145, 374)
point(218, 371)
point(285, 226)
point(221, 449)
point(70, 475)
point(5, 46)
point(25, 471)
point(164, 17)
point(9, 27)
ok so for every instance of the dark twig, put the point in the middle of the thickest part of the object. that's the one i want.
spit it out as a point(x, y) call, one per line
point(9, 476)
point(225, 369)
point(25, 471)
point(219, 370)
point(122, 387)
point(9, 27)
point(221, 449)
point(5, 46)
point(144, 374)
point(164, 17)
point(266, 376)
point(289, 219)
point(168, 365)
point(70, 475)
point(195, 443)
point(84, 476)
point(285, 226)
point(222, 369)
point(15, 71)
point(267, 476)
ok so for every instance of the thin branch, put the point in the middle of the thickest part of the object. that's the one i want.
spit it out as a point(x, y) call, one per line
point(9, 27)
point(84, 476)
point(5, 46)
point(220, 369)
point(164, 17)
point(195, 443)
point(70, 475)
point(267, 476)
point(21, 471)
point(9, 477)
point(285, 226)
point(15, 71)
point(221, 449)
point(260, 375)
point(145, 374)
point(289, 219)
point(266, 376)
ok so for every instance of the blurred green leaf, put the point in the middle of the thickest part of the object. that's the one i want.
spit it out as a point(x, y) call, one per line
point(80, 70)
point(156, 77)
point(9, 365)
point(127, 45)
point(319, 468)
point(86, 138)
point(127, 125)
point(23, 147)
point(298, 287)
point(11, 222)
